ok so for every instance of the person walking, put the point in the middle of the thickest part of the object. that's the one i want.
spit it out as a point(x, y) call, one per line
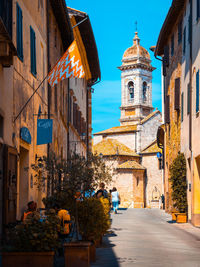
point(115, 199)
point(102, 192)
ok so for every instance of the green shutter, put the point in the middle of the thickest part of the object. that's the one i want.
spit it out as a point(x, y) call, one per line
point(188, 99)
point(197, 91)
point(198, 9)
point(184, 40)
point(182, 106)
point(33, 51)
point(19, 33)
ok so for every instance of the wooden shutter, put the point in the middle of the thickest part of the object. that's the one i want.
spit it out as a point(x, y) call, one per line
point(182, 106)
point(197, 91)
point(198, 9)
point(189, 29)
point(188, 99)
point(166, 56)
point(172, 45)
point(167, 109)
point(184, 40)
point(19, 33)
point(177, 94)
point(33, 51)
point(180, 32)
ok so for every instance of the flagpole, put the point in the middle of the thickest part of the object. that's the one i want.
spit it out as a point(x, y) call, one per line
point(44, 78)
point(29, 99)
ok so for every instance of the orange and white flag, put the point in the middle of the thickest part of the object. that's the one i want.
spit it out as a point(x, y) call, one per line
point(70, 65)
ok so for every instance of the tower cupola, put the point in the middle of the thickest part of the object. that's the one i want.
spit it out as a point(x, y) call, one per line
point(136, 83)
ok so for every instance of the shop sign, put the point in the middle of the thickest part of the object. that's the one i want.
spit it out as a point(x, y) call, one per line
point(25, 135)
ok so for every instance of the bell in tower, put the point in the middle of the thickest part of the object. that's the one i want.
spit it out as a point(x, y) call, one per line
point(136, 84)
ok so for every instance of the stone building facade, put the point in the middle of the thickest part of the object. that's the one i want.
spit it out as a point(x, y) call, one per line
point(136, 134)
point(36, 34)
point(179, 45)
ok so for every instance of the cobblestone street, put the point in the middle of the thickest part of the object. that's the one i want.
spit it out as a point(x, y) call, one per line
point(147, 237)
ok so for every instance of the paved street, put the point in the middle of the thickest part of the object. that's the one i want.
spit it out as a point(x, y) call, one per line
point(146, 237)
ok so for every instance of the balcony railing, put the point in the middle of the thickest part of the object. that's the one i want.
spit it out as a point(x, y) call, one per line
point(6, 15)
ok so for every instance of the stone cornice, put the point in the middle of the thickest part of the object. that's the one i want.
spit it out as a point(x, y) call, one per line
point(136, 66)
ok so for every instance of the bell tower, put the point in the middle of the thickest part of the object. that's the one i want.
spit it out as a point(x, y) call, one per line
point(136, 84)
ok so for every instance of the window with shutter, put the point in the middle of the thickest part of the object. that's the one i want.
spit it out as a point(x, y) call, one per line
point(180, 32)
point(167, 109)
point(188, 99)
point(177, 94)
point(198, 9)
point(19, 33)
point(55, 99)
point(184, 40)
point(172, 45)
point(189, 28)
point(197, 91)
point(33, 51)
point(166, 56)
point(182, 106)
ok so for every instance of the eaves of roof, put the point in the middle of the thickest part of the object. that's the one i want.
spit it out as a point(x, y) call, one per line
point(87, 36)
point(60, 12)
point(171, 18)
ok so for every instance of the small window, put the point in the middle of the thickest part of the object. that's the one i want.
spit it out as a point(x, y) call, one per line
point(19, 33)
point(138, 180)
point(33, 51)
point(160, 164)
point(56, 99)
point(1, 126)
point(197, 91)
point(172, 45)
point(188, 99)
point(184, 40)
point(131, 90)
point(144, 91)
point(180, 32)
point(198, 9)
point(55, 36)
point(182, 106)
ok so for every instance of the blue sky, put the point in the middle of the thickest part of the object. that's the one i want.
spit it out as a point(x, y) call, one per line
point(113, 25)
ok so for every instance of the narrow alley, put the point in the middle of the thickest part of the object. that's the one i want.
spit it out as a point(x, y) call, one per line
point(147, 237)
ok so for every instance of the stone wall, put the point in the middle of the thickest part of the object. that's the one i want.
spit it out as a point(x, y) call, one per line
point(153, 178)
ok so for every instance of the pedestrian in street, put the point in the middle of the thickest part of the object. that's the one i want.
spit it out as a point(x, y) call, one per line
point(32, 206)
point(115, 198)
point(102, 192)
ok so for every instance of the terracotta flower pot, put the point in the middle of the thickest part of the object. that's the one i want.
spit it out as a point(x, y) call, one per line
point(174, 216)
point(92, 253)
point(28, 259)
point(181, 217)
point(77, 254)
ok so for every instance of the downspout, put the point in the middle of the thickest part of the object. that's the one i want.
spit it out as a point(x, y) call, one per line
point(49, 88)
point(190, 117)
point(68, 119)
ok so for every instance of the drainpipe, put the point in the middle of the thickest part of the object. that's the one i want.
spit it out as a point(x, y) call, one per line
point(190, 117)
point(49, 88)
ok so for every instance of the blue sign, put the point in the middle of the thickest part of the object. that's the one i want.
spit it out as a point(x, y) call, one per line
point(44, 131)
point(25, 135)
point(159, 155)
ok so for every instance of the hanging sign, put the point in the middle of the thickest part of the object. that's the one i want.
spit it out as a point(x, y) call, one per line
point(44, 131)
point(25, 135)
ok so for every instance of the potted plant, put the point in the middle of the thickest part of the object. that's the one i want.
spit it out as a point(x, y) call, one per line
point(179, 187)
point(94, 221)
point(33, 242)
point(71, 181)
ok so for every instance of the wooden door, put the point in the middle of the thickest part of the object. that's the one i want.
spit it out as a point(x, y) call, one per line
point(10, 185)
